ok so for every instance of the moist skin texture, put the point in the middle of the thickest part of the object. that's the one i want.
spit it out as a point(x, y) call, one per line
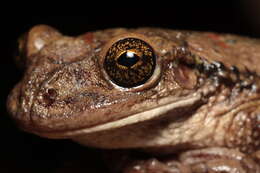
point(199, 112)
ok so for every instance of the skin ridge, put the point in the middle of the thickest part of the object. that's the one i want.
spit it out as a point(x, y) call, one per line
point(217, 71)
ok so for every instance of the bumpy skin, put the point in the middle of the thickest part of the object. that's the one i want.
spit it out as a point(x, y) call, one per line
point(202, 104)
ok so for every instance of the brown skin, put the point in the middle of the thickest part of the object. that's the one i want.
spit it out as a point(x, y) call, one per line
point(201, 104)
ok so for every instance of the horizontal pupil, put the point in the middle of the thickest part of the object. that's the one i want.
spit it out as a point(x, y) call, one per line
point(128, 59)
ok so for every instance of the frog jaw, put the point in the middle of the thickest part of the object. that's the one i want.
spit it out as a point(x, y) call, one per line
point(154, 113)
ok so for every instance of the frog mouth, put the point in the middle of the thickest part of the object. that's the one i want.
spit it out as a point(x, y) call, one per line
point(146, 115)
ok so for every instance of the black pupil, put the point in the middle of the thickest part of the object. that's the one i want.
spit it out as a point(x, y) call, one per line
point(128, 59)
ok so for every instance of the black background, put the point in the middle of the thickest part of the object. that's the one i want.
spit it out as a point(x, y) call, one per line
point(24, 152)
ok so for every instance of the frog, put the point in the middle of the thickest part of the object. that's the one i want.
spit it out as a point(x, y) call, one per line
point(188, 100)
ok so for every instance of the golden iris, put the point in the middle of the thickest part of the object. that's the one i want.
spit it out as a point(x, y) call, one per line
point(130, 62)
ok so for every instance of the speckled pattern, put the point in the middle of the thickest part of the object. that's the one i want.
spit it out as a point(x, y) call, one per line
point(201, 103)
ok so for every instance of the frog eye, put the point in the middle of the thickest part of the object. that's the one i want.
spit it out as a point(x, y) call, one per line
point(130, 62)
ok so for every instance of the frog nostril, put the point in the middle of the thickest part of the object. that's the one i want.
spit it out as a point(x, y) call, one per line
point(52, 93)
point(49, 96)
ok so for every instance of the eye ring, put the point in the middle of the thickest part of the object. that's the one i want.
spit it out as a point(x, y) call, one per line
point(155, 71)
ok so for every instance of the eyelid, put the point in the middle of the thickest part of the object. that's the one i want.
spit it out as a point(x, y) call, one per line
point(121, 37)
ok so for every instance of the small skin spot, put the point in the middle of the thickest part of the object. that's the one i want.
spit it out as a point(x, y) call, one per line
point(222, 44)
point(88, 38)
point(49, 96)
point(217, 39)
point(212, 36)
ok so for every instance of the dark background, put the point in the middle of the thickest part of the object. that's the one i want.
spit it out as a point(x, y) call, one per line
point(24, 152)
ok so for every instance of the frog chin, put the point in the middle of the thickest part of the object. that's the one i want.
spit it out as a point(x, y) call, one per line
point(157, 112)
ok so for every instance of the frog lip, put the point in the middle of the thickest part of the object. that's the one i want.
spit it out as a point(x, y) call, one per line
point(131, 119)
